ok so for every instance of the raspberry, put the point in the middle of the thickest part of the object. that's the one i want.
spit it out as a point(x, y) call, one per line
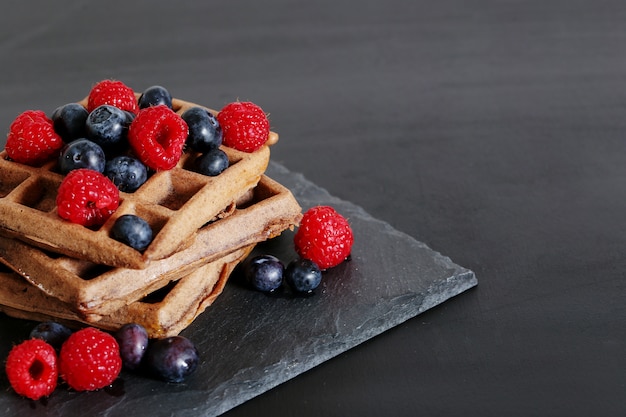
point(114, 93)
point(32, 139)
point(89, 360)
point(157, 136)
point(324, 237)
point(87, 197)
point(32, 369)
point(245, 126)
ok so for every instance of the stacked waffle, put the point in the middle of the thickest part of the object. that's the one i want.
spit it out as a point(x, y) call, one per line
point(203, 227)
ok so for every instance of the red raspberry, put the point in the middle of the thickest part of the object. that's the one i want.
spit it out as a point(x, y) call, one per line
point(32, 139)
point(114, 93)
point(32, 369)
point(87, 197)
point(157, 136)
point(244, 125)
point(89, 360)
point(324, 236)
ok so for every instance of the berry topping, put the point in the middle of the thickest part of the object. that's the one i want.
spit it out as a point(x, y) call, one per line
point(324, 236)
point(32, 139)
point(87, 197)
point(89, 360)
point(303, 275)
point(264, 273)
point(212, 163)
point(157, 136)
point(52, 333)
point(245, 126)
point(114, 93)
point(81, 153)
point(154, 96)
point(133, 341)
point(69, 121)
point(205, 132)
point(126, 172)
point(171, 359)
point(133, 231)
point(107, 125)
point(32, 369)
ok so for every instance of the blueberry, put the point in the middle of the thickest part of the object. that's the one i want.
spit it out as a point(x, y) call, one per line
point(81, 153)
point(154, 96)
point(212, 163)
point(171, 359)
point(205, 132)
point(303, 275)
point(133, 341)
point(264, 272)
point(107, 125)
point(133, 231)
point(126, 172)
point(130, 116)
point(69, 121)
point(52, 332)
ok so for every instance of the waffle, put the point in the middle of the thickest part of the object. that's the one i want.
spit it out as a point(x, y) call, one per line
point(93, 290)
point(164, 313)
point(176, 203)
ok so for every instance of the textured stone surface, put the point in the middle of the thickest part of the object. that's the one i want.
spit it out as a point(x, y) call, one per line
point(251, 342)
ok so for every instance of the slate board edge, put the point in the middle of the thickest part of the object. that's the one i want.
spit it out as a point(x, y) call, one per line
point(465, 282)
point(463, 279)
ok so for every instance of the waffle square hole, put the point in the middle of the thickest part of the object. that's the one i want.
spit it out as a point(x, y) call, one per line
point(10, 179)
point(40, 195)
point(260, 193)
point(180, 188)
point(88, 271)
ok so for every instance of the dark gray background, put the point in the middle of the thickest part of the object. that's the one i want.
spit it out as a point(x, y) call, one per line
point(493, 131)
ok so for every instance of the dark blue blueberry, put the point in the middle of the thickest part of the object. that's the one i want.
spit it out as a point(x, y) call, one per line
point(212, 163)
point(264, 272)
point(130, 116)
point(133, 231)
point(154, 96)
point(205, 132)
point(81, 153)
point(52, 332)
point(69, 121)
point(133, 341)
point(171, 359)
point(303, 275)
point(126, 172)
point(107, 125)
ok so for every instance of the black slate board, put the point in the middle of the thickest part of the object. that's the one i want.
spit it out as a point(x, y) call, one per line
point(251, 342)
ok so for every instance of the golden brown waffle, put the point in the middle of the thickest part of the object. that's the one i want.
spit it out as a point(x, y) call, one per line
point(176, 203)
point(93, 290)
point(164, 314)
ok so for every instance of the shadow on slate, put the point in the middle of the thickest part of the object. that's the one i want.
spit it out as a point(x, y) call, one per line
point(250, 342)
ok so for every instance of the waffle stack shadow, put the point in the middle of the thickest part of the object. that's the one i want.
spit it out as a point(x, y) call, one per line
point(203, 227)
